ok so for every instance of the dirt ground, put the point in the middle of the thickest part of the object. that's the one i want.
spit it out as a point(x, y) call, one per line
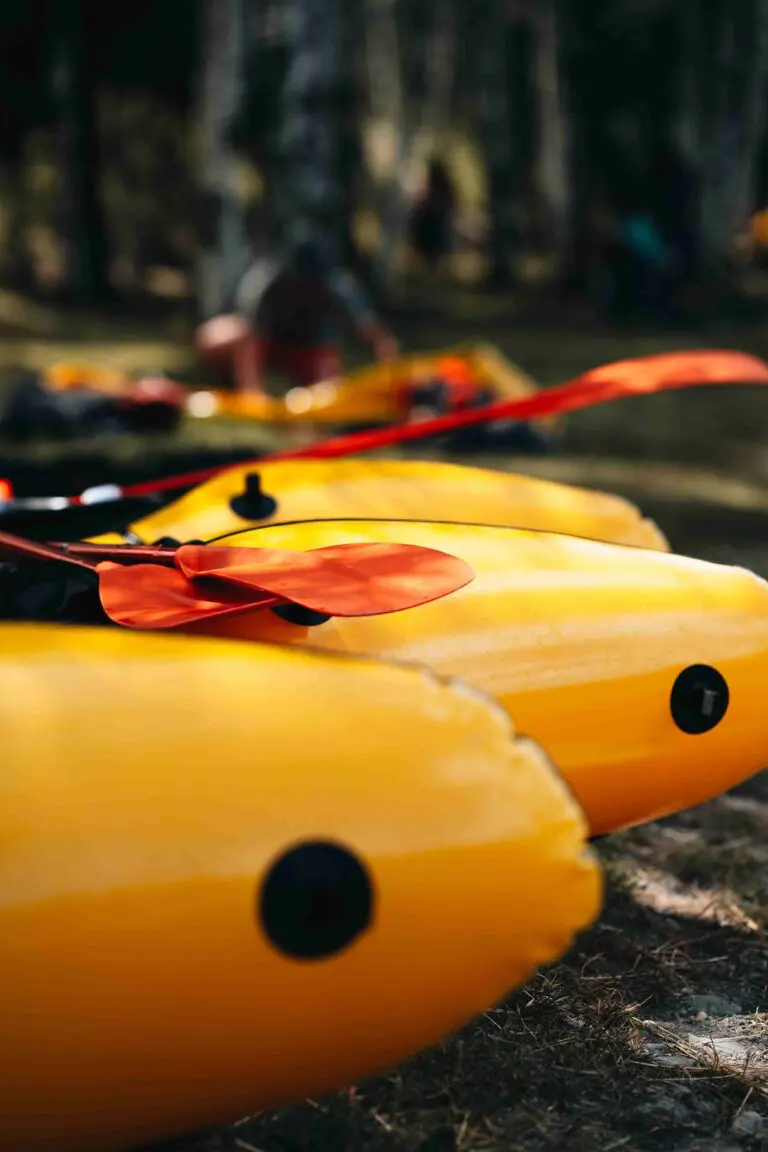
point(652, 1034)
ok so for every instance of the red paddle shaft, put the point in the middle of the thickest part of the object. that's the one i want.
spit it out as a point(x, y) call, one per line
point(547, 403)
point(598, 386)
point(84, 555)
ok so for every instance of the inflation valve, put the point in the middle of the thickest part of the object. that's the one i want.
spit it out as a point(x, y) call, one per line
point(253, 503)
point(699, 699)
point(316, 899)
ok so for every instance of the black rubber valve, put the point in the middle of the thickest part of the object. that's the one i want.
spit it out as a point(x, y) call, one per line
point(699, 699)
point(316, 899)
point(253, 503)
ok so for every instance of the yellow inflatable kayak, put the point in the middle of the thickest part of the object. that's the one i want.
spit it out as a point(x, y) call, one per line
point(208, 907)
point(640, 672)
point(289, 490)
point(383, 392)
point(67, 376)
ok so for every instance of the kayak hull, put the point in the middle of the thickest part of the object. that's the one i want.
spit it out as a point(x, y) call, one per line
point(582, 642)
point(163, 969)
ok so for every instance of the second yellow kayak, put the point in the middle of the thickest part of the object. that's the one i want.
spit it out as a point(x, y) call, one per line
point(640, 672)
point(375, 393)
point(289, 490)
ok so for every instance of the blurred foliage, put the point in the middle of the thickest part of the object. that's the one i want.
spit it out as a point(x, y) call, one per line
point(623, 66)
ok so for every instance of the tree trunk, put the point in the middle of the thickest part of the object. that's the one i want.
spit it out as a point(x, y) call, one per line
point(688, 127)
point(311, 119)
point(440, 65)
point(718, 151)
point(554, 159)
point(351, 128)
point(497, 134)
point(84, 244)
point(753, 121)
point(223, 238)
point(393, 119)
point(737, 127)
point(410, 106)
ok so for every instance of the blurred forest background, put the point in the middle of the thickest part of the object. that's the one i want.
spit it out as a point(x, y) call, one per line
point(148, 150)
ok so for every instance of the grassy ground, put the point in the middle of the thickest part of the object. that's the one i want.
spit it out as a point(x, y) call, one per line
point(652, 1034)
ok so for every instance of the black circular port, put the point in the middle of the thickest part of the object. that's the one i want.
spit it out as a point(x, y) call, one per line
point(699, 699)
point(253, 503)
point(315, 900)
point(296, 614)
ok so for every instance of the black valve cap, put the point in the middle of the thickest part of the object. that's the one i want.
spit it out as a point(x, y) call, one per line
point(171, 542)
point(167, 542)
point(297, 614)
point(699, 699)
point(253, 503)
point(315, 900)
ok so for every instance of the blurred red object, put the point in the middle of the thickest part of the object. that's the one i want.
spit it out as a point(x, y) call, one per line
point(157, 390)
point(229, 343)
point(217, 339)
point(462, 383)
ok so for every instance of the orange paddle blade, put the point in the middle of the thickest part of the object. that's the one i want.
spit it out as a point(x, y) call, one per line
point(151, 596)
point(673, 370)
point(342, 580)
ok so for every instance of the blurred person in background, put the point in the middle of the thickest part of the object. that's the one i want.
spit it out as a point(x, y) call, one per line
point(637, 269)
point(675, 192)
point(432, 223)
point(287, 317)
